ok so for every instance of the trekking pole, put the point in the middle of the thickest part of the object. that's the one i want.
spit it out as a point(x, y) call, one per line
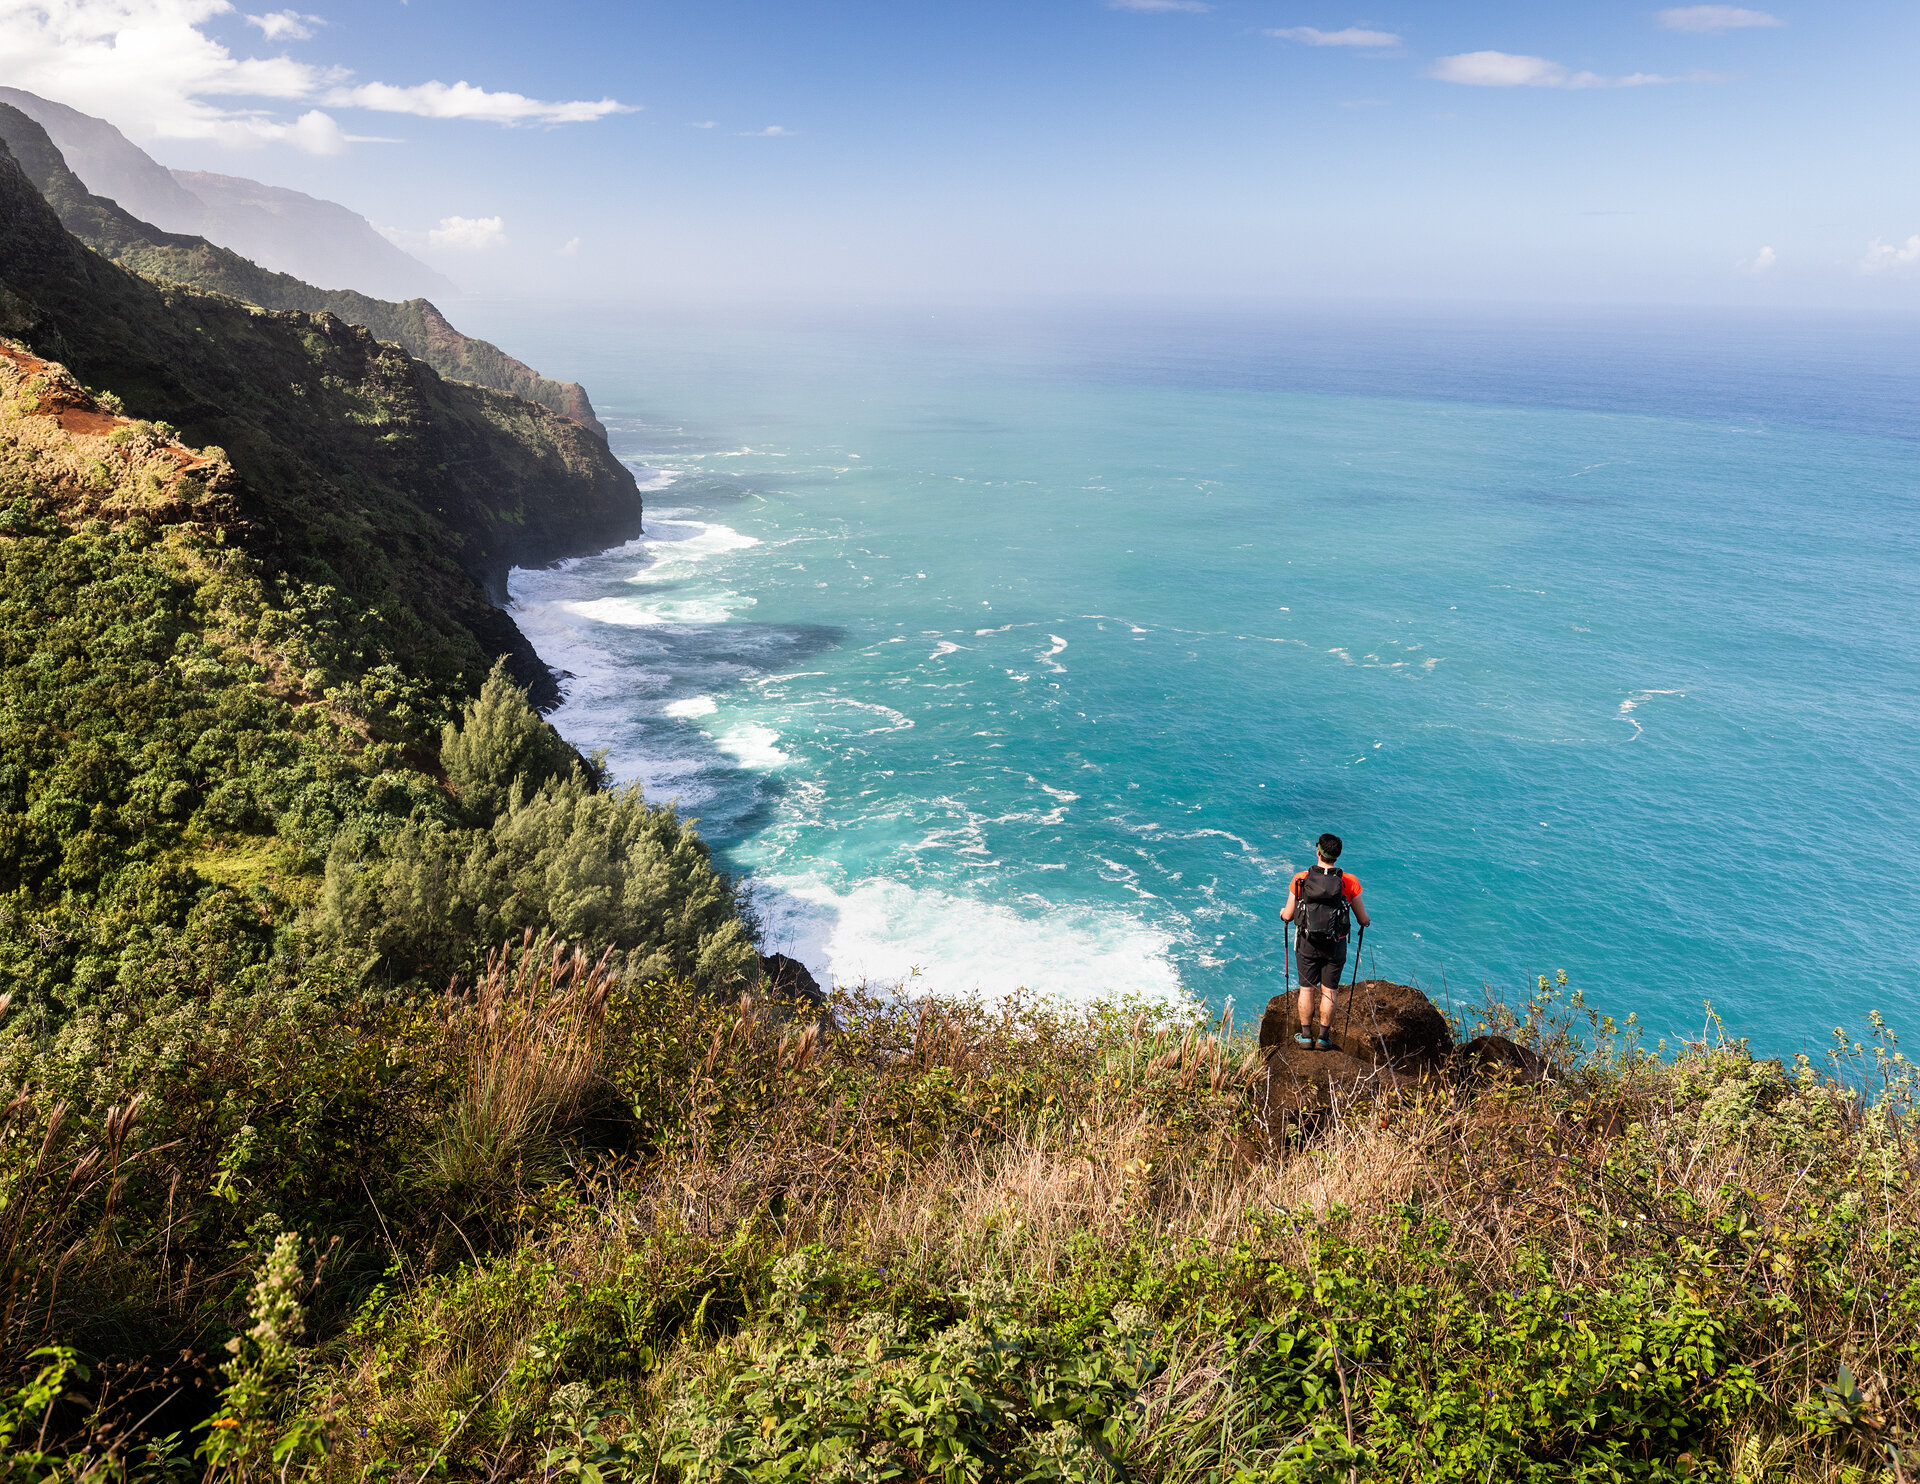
point(1346, 1019)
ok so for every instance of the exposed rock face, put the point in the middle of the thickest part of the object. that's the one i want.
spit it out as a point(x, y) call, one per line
point(1392, 1024)
point(788, 979)
point(1385, 1034)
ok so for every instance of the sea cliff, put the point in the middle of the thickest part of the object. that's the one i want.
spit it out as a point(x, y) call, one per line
point(384, 1095)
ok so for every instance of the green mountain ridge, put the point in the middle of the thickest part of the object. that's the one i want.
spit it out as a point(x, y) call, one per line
point(365, 471)
point(415, 324)
point(318, 241)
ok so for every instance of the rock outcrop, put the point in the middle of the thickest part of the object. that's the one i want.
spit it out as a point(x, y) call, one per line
point(788, 979)
point(1385, 1035)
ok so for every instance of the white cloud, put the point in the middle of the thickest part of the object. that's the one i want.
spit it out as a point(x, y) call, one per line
point(772, 131)
point(1885, 257)
point(462, 100)
point(1351, 36)
point(467, 233)
point(1510, 70)
point(1711, 20)
point(317, 134)
point(1198, 7)
point(705, 124)
point(150, 67)
point(285, 25)
point(568, 248)
point(1759, 265)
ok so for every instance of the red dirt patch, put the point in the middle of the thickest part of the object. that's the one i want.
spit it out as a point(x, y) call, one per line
point(67, 403)
point(87, 423)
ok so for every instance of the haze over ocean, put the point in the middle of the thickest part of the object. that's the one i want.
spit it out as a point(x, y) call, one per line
point(1035, 649)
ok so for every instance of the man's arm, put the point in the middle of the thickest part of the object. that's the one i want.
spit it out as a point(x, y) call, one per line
point(1286, 912)
point(1360, 911)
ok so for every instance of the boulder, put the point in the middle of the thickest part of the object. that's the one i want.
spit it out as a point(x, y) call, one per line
point(1495, 1058)
point(1384, 1035)
point(1393, 1025)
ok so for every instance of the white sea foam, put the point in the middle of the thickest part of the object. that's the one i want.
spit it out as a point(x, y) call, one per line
point(713, 608)
point(753, 746)
point(671, 542)
point(1632, 704)
point(691, 706)
point(897, 721)
point(883, 932)
point(652, 477)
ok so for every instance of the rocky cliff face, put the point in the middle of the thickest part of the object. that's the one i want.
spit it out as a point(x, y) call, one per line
point(362, 472)
point(415, 325)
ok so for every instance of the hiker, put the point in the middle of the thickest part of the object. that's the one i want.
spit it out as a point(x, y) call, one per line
point(1324, 897)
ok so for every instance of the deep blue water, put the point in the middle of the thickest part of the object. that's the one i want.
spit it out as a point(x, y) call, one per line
point(1035, 648)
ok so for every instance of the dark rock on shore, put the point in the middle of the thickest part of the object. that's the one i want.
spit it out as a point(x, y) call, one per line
point(788, 979)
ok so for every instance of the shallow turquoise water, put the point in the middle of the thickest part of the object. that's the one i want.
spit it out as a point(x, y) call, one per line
point(1008, 650)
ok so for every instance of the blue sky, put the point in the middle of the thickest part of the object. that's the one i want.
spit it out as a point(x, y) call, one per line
point(973, 148)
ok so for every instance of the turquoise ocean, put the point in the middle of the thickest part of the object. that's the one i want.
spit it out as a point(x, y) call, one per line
point(1034, 649)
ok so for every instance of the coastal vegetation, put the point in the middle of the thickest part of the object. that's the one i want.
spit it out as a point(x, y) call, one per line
point(385, 1095)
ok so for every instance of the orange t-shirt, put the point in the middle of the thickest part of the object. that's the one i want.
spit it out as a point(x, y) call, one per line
point(1349, 884)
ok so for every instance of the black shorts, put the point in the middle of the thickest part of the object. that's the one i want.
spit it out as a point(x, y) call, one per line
point(1321, 959)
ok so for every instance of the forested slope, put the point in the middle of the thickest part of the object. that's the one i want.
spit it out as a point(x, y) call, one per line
point(263, 793)
point(365, 472)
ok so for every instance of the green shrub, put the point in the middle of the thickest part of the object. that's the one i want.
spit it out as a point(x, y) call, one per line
point(599, 869)
point(501, 744)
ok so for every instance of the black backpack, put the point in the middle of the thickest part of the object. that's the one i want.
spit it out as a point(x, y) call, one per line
point(1323, 912)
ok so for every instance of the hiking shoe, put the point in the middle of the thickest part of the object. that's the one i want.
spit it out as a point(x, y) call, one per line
point(1325, 1043)
point(1303, 1038)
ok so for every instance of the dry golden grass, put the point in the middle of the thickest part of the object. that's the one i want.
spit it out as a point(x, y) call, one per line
point(530, 1034)
point(936, 1147)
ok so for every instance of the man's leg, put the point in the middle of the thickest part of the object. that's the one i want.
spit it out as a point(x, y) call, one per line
point(1330, 971)
point(1306, 993)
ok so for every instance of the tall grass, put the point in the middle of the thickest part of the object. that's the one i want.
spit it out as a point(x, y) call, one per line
point(530, 1031)
point(701, 1239)
point(1076, 1164)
